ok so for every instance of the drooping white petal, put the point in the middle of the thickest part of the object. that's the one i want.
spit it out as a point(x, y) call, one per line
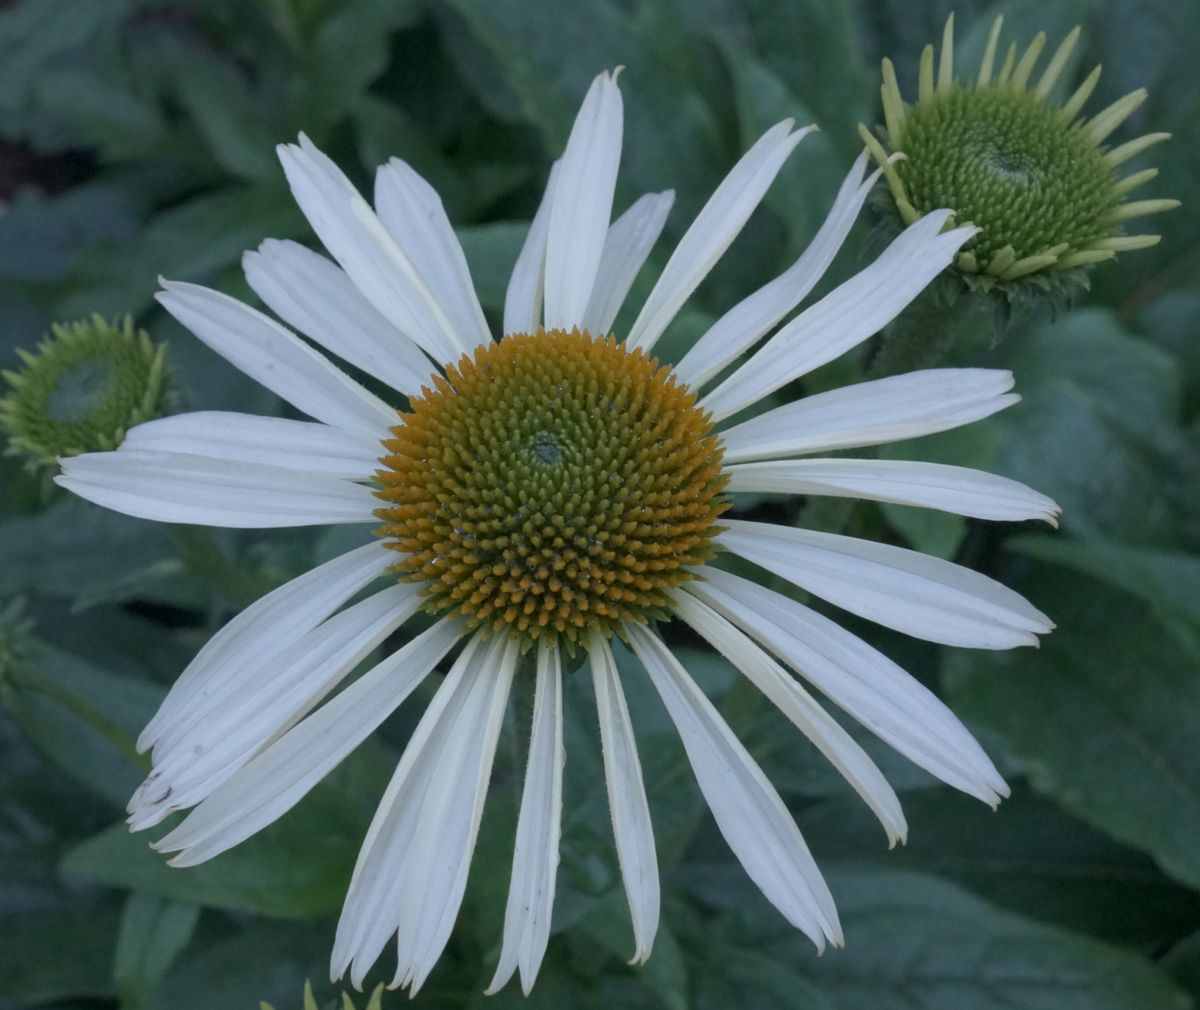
point(205, 750)
point(263, 630)
point(354, 236)
point(412, 212)
point(626, 799)
point(412, 870)
point(745, 805)
point(316, 297)
point(313, 448)
point(372, 908)
point(954, 489)
point(276, 358)
point(901, 589)
point(802, 709)
point(276, 779)
point(177, 488)
point(858, 678)
point(629, 242)
point(871, 413)
point(742, 326)
point(523, 299)
point(535, 858)
point(846, 316)
point(582, 204)
point(715, 228)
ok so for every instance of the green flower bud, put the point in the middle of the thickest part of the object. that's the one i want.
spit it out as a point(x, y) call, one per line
point(1035, 177)
point(84, 387)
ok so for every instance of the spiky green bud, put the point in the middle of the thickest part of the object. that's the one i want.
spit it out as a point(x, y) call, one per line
point(1034, 176)
point(86, 385)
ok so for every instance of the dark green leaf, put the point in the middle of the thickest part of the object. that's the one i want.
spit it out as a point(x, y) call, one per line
point(57, 954)
point(916, 943)
point(152, 935)
point(1029, 856)
point(1104, 715)
point(74, 547)
point(267, 961)
point(1098, 431)
point(298, 868)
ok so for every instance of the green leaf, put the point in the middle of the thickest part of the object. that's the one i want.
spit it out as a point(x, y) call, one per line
point(152, 935)
point(194, 240)
point(83, 718)
point(346, 50)
point(111, 111)
point(75, 548)
point(1183, 964)
point(298, 868)
point(227, 112)
point(37, 37)
point(42, 238)
point(57, 954)
point(812, 45)
point(1104, 716)
point(665, 973)
point(916, 943)
point(1169, 581)
point(267, 961)
point(735, 976)
point(532, 61)
point(1029, 856)
point(1098, 431)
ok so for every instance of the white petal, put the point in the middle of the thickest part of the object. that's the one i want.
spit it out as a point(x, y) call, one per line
point(743, 325)
point(412, 871)
point(898, 588)
point(629, 242)
point(352, 233)
point(860, 679)
point(313, 448)
point(412, 212)
point(846, 316)
point(263, 630)
point(871, 413)
point(276, 779)
point(715, 228)
point(372, 908)
point(276, 358)
point(316, 297)
point(523, 299)
point(954, 489)
point(626, 799)
point(802, 709)
point(745, 805)
point(177, 488)
point(582, 207)
point(535, 858)
point(204, 752)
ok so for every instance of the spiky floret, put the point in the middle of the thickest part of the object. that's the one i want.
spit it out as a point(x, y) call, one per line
point(82, 389)
point(551, 484)
point(1035, 177)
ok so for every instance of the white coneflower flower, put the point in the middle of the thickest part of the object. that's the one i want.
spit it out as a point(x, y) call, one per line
point(542, 493)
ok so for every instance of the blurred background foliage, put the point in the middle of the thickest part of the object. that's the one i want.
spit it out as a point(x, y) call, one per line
point(136, 139)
